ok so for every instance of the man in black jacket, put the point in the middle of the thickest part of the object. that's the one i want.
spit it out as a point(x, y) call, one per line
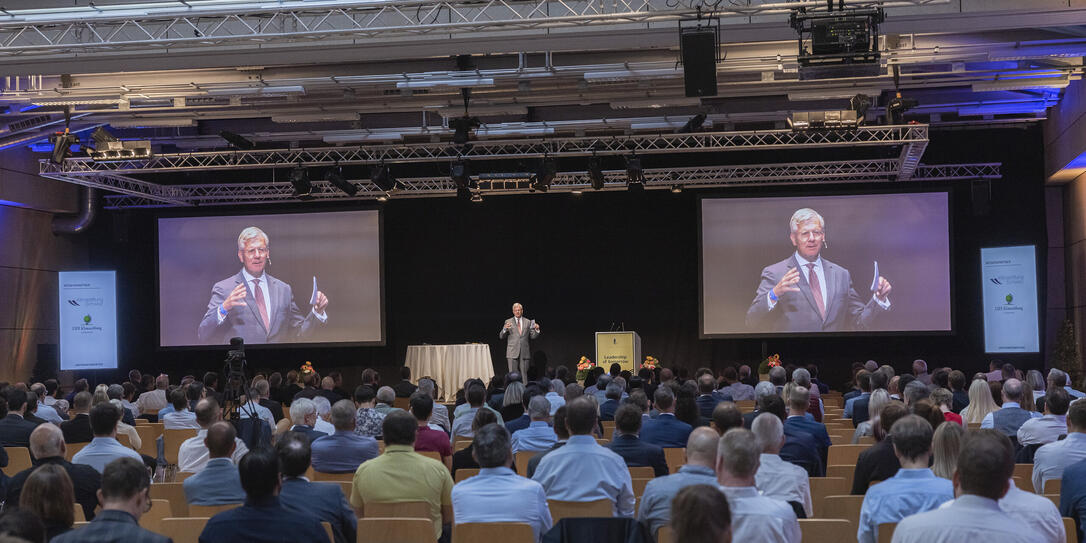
point(78, 430)
point(14, 429)
point(47, 447)
point(879, 463)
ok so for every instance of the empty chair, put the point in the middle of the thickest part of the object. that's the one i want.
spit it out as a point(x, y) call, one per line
point(826, 486)
point(183, 530)
point(826, 530)
point(842, 507)
point(845, 454)
point(563, 509)
point(399, 530)
point(174, 493)
point(152, 520)
point(18, 460)
point(505, 532)
point(172, 440)
point(843, 472)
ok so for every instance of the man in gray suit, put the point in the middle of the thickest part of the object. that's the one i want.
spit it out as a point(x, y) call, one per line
point(807, 293)
point(254, 305)
point(517, 331)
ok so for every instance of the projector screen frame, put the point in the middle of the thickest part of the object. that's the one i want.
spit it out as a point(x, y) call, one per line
point(218, 212)
point(837, 190)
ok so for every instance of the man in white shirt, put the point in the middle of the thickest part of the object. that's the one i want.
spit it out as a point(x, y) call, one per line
point(44, 411)
point(755, 518)
point(181, 417)
point(553, 395)
point(775, 477)
point(193, 454)
point(1052, 425)
point(985, 466)
point(154, 400)
point(1050, 459)
point(324, 409)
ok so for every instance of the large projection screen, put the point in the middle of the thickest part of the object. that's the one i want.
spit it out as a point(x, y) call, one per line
point(200, 266)
point(747, 250)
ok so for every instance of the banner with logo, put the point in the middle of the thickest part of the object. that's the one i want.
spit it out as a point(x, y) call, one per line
point(88, 320)
point(1010, 299)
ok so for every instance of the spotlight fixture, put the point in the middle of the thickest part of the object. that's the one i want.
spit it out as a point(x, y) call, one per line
point(383, 178)
point(693, 125)
point(335, 177)
point(477, 197)
point(676, 189)
point(62, 143)
point(842, 43)
point(460, 173)
point(635, 175)
point(462, 127)
point(860, 104)
point(237, 140)
point(299, 178)
point(108, 148)
point(834, 119)
point(595, 173)
point(544, 175)
point(896, 108)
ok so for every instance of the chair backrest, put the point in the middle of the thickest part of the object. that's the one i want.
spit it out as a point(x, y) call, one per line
point(642, 472)
point(746, 406)
point(397, 510)
point(183, 530)
point(845, 472)
point(563, 509)
point(70, 449)
point(180, 476)
point(124, 440)
point(845, 454)
point(1054, 498)
point(148, 440)
point(333, 477)
point(886, 532)
point(867, 440)
point(464, 473)
point(402, 403)
point(210, 510)
point(506, 532)
point(344, 486)
point(844, 507)
point(328, 531)
point(400, 530)
point(522, 459)
point(18, 460)
point(1024, 471)
point(461, 444)
point(823, 530)
point(639, 485)
point(675, 457)
point(826, 486)
point(431, 454)
point(78, 513)
point(1023, 483)
point(171, 442)
point(665, 535)
point(1052, 486)
point(173, 493)
point(1071, 530)
point(152, 520)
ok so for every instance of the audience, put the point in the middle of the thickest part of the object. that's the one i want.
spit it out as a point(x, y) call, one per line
point(776, 478)
point(303, 413)
point(181, 416)
point(879, 399)
point(734, 387)
point(476, 399)
point(463, 459)
point(262, 390)
point(633, 451)
point(1010, 417)
point(957, 388)
point(104, 448)
point(655, 508)
point(324, 501)
point(48, 493)
point(612, 397)
point(561, 431)
point(1050, 460)
point(1048, 428)
point(14, 429)
point(382, 479)
point(798, 420)
point(563, 471)
point(980, 403)
point(945, 446)
point(538, 436)
point(152, 401)
point(344, 450)
point(440, 417)
point(404, 388)
point(701, 515)
point(385, 398)
point(428, 439)
point(218, 483)
point(47, 447)
point(1073, 496)
point(754, 518)
point(512, 406)
point(555, 395)
point(323, 408)
point(802, 377)
point(497, 493)
point(879, 462)
point(368, 421)
point(125, 496)
point(985, 466)
point(263, 517)
point(913, 489)
point(943, 400)
point(665, 430)
point(863, 380)
point(193, 455)
point(726, 416)
point(1035, 511)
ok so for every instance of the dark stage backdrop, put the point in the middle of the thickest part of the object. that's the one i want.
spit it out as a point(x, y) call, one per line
point(583, 263)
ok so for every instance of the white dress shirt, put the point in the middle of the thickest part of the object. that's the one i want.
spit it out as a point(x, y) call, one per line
point(1050, 459)
point(1042, 430)
point(583, 471)
point(177, 420)
point(1037, 512)
point(263, 290)
point(324, 426)
point(784, 481)
point(151, 401)
point(757, 519)
point(968, 518)
point(192, 456)
point(500, 495)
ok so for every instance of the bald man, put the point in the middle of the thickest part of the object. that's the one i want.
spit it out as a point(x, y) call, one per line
point(47, 447)
point(700, 459)
point(218, 483)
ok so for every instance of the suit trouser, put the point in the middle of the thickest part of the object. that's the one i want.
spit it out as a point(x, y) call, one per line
point(519, 364)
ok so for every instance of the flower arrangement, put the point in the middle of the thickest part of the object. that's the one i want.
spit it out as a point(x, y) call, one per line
point(584, 365)
point(650, 363)
point(306, 368)
point(769, 362)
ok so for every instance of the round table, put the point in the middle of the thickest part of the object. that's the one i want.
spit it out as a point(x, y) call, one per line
point(450, 365)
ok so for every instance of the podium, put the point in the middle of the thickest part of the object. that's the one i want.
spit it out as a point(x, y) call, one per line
point(623, 348)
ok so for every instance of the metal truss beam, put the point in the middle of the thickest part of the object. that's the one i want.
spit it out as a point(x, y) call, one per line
point(860, 171)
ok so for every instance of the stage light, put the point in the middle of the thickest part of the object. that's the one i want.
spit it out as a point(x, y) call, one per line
point(477, 197)
point(462, 127)
point(335, 177)
point(834, 119)
point(237, 141)
point(842, 43)
point(460, 173)
point(62, 143)
point(896, 108)
point(635, 175)
point(676, 189)
point(299, 178)
point(383, 178)
point(544, 175)
point(109, 148)
point(693, 125)
point(595, 173)
point(860, 104)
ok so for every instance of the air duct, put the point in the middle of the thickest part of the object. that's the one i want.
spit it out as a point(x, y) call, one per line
point(81, 221)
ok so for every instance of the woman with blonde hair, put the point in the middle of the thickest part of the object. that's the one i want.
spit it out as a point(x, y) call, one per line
point(945, 445)
point(878, 400)
point(980, 403)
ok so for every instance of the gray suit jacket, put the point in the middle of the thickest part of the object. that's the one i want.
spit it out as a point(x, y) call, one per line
point(287, 322)
point(516, 345)
point(797, 312)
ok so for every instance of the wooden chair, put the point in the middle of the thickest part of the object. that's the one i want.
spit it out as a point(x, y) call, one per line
point(319, 477)
point(123, 440)
point(1070, 529)
point(1051, 486)
point(664, 535)
point(1023, 483)
point(461, 444)
point(603, 442)
point(400, 530)
point(1024, 471)
point(173, 493)
point(180, 476)
point(641, 472)
point(639, 485)
point(886, 532)
point(183, 530)
point(608, 433)
point(79, 524)
point(171, 442)
point(826, 486)
point(845, 472)
point(465, 473)
point(397, 510)
point(431, 454)
point(594, 509)
point(18, 460)
point(148, 440)
point(840, 439)
point(402, 403)
point(972, 426)
point(845, 454)
point(867, 440)
point(79, 515)
point(210, 510)
point(506, 532)
point(345, 487)
point(675, 457)
point(1055, 498)
point(522, 459)
point(824, 530)
point(152, 520)
point(70, 449)
point(328, 531)
point(746, 406)
point(846, 507)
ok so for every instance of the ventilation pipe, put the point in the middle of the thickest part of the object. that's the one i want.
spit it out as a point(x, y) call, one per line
point(81, 221)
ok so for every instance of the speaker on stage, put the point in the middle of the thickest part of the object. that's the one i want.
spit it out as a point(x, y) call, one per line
point(699, 46)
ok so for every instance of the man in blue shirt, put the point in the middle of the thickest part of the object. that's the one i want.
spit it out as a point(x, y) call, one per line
point(582, 470)
point(914, 489)
point(497, 493)
point(322, 500)
point(538, 436)
point(627, 445)
point(344, 450)
point(1073, 496)
point(218, 483)
point(263, 517)
point(665, 430)
point(104, 448)
point(655, 510)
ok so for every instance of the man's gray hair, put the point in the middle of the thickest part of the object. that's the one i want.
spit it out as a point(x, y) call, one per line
point(769, 430)
point(343, 414)
point(802, 377)
point(1058, 377)
point(920, 366)
point(914, 392)
point(1012, 389)
point(764, 388)
point(300, 409)
point(1036, 380)
point(46, 441)
point(804, 215)
point(539, 407)
point(613, 391)
point(603, 381)
point(115, 392)
point(386, 395)
point(871, 365)
point(322, 405)
point(620, 382)
point(739, 452)
point(426, 386)
point(262, 388)
point(490, 446)
point(251, 233)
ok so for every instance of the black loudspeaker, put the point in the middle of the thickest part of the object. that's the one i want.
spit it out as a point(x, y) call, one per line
point(981, 196)
point(699, 62)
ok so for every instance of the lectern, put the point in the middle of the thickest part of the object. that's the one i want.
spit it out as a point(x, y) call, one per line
point(623, 348)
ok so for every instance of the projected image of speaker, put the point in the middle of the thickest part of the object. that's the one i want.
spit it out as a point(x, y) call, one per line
point(699, 47)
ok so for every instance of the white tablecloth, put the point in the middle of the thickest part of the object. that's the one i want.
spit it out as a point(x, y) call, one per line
point(450, 365)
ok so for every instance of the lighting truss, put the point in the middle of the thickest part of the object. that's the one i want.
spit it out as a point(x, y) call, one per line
point(857, 171)
point(196, 23)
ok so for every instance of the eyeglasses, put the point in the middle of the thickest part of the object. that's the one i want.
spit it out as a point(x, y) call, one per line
point(256, 251)
point(808, 234)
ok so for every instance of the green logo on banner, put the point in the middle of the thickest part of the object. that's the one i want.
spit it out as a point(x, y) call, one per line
point(1009, 298)
point(86, 319)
